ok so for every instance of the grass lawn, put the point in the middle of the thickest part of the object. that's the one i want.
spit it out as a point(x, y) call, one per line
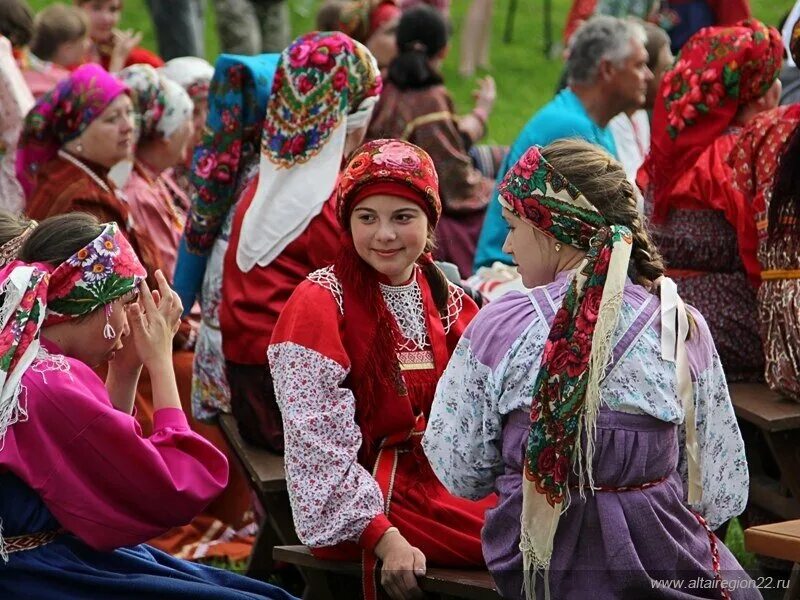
point(526, 78)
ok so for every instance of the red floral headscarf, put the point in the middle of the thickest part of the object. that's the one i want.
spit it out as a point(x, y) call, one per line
point(719, 70)
point(389, 167)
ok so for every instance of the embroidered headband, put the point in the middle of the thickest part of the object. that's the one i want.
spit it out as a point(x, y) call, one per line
point(539, 195)
point(99, 273)
point(566, 397)
point(10, 250)
point(389, 167)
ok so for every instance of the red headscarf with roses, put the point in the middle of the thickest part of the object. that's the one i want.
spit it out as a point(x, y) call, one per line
point(566, 396)
point(719, 70)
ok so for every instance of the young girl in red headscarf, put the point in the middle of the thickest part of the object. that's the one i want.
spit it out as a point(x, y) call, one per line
point(356, 356)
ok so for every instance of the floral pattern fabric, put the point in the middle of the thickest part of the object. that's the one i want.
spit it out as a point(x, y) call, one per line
point(97, 274)
point(325, 76)
point(62, 115)
point(719, 70)
point(493, 373)
point(237, 101)
point(389, 161)
point(161, 105)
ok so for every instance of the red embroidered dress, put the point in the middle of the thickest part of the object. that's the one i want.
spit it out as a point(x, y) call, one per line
point(333, 437)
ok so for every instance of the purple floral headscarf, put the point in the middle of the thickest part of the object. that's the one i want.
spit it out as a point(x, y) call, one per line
point(62, 115)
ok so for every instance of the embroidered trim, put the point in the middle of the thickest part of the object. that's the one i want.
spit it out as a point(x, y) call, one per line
point(327, 279)
point(405, 304)
point(454, 306)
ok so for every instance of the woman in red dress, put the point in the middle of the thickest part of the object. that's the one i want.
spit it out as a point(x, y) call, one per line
point(356, 356)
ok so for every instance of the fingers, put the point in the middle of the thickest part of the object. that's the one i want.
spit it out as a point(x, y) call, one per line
point(420, 566)
point(146, 298)
point(136, 320)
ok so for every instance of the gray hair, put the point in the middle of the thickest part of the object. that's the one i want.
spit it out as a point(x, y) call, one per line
point(600, 38)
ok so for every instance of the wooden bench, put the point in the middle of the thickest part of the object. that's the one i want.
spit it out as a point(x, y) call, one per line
point(770, 427)
point(324, 578)
point(779, 540)
point(267, 477)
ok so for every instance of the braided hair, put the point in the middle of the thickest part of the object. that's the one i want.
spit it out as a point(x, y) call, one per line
point(602, 180)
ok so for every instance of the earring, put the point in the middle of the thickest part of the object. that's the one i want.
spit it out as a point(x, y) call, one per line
point(558, 246)
point(79, 148)
point(108, 330)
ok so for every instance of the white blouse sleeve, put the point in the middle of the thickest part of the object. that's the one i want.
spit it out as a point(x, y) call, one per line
point(333, 497)
point(723, 465)
point(463, 437)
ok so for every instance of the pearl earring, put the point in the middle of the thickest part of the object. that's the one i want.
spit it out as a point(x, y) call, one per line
point(79, 148)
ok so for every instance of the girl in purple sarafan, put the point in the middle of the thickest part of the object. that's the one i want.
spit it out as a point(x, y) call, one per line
point(595, 405)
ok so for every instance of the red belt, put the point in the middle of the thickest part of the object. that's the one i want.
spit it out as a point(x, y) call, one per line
point(384, 473)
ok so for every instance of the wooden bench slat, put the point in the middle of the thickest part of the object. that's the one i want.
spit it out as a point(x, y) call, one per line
point(757, 404)
point(264, 468)
point(477, 585)
point(779, 540)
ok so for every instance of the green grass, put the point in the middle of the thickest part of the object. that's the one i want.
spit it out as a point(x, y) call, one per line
point(526, 78)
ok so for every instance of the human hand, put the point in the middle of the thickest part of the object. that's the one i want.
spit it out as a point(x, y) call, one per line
point(402, 564)
point(153, 320)
point(122, 43)
point(126, 360)
point(486, 94)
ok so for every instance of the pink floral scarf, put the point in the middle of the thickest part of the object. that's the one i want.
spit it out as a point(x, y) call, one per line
point(566, 396)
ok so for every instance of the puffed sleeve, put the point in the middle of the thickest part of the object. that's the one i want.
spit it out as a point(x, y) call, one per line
point(95, 472)
point(333, 498)
point(723, 465)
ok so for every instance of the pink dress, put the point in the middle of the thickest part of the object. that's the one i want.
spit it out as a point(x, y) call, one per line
point(15, 102)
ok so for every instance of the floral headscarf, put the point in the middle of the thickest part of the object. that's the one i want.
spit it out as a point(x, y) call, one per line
point(325, 85)
point(236, 105)
point(191, 73)
point(61, 115)
point(566, 397)
point(361, 18)
point(161, 105)
point(389, 167)
point(719, 70)
point(36, 295)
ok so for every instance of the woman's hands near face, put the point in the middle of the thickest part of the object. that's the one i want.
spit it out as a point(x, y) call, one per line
point(402, 564)
point(122, 44)
point(154, 320)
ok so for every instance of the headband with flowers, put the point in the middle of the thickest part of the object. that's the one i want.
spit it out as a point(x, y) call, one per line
point(566, 397)
point(35, 295)
point(389, 166)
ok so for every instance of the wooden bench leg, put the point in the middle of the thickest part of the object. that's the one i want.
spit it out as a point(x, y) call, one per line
point(793, 592)
point(785, 448)
point(261, 565)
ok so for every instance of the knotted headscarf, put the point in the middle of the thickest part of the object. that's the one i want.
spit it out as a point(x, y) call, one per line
point(61, 115)
point(326, 84)
point(566, 397)
point(719, 70)
point(361, 18)
point(161, 105)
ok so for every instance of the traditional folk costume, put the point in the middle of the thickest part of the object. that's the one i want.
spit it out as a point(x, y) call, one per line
point(360, 19)
point(700, 222)
point(426, 117)
point(755, 159)
point(285, 224)
point(15, 102)
point(194, 75)
point(57, 182)
point(586, 407)
point(67, 184)
point(224, 162)
point(82, 488)
point(158, 206)
point(355, 363)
